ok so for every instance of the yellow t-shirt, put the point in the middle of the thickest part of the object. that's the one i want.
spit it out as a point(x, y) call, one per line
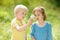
point(17, 35)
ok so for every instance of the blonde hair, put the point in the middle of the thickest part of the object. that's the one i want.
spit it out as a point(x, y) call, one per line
point(20, 7)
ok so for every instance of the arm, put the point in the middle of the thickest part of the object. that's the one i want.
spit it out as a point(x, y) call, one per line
point(32, 33)
point(33, 38)
point(23, 27)
point(49, 33)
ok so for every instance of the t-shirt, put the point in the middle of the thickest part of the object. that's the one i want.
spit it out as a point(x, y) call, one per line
point(42, 33)
point(17, 35)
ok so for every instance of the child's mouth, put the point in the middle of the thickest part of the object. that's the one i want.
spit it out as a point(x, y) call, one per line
point(23, 17)
point(37, 18)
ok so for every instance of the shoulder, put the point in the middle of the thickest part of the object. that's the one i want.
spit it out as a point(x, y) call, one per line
point(34, 23)
point(48, 24)
point(13, 21)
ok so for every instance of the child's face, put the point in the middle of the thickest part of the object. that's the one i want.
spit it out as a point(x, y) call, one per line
point(20, 14)
point(38, 15)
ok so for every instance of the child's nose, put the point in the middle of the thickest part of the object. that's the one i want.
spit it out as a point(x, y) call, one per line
point(23, 16)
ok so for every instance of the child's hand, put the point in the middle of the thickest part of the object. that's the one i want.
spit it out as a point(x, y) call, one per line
point(30, 21)
point(33, 38)
point(32, 16)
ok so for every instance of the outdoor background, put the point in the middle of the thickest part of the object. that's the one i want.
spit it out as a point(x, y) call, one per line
point(52, 9)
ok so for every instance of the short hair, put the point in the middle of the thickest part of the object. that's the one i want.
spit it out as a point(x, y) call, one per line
point(40, 9)
point(20, 7)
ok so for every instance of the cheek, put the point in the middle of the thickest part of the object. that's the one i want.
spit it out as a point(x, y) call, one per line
point(22, 16)
point(36, 18)
point(41, 17)
point(18, 15)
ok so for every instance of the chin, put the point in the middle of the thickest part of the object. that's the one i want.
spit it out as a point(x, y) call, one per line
point(19, 18)
point(22, 18)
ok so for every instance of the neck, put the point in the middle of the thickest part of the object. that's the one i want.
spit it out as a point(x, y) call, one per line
point(19, 22)
point(41, 22)
point(18, 19)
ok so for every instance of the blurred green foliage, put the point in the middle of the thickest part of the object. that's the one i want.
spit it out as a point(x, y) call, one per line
point(52, 8)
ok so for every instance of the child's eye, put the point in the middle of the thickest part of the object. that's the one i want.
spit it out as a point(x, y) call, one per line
point(38, 14)
point(34, 15)
point(24, 13)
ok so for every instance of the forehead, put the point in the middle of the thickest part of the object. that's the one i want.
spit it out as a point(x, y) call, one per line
point(21, 10)
point(37, 12)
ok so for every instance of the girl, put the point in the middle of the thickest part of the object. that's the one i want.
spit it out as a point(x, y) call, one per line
point(41, 30)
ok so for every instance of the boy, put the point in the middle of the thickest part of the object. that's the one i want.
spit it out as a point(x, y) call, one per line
point(18, 27)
